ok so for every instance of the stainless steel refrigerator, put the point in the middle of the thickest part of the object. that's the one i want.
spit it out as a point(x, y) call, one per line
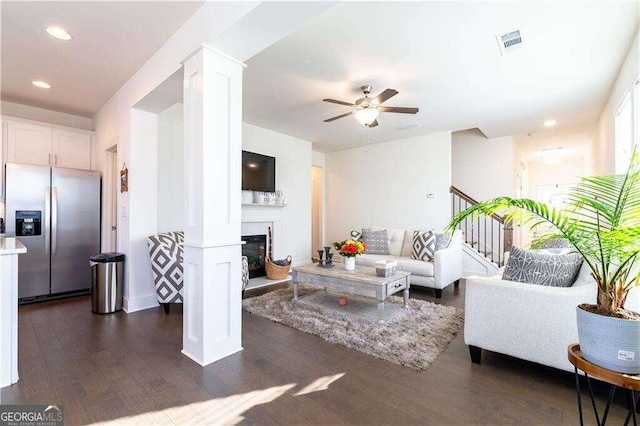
point(55, 213)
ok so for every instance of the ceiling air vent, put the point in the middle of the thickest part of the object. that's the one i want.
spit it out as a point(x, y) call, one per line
point(508, 42)
point(408, 127)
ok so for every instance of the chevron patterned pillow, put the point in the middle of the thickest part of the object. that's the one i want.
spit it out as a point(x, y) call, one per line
point(424, 245)
point(538, 267)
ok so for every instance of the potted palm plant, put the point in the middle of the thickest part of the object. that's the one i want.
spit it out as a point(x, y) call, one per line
point(601, 220)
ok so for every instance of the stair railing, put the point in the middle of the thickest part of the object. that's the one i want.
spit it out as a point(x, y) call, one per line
point(491, 236)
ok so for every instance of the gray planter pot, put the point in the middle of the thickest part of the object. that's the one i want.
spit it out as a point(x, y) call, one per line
point(612, 343)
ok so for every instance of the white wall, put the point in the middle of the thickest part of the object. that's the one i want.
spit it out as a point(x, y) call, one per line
point(568, 171)
point(293, 178)
point(171, 169)
point(45, 115)
point(603, 156)
point(386, 185)
point(240, 29)
point(483, 168)
point(142, 210)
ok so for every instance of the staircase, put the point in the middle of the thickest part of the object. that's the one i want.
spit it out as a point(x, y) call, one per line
point(486, 239)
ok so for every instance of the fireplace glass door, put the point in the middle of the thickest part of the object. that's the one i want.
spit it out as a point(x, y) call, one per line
point(255, 250)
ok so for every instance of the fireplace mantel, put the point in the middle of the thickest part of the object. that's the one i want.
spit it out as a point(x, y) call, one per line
point(259, 212)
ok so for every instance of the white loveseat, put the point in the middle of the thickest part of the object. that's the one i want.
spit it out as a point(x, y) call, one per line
point(528, 321)
point(445, 269)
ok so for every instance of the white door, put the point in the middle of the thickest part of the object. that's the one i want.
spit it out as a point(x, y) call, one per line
point(71, 149)
point(29, 144)
point(316, 209)
point(111, 185)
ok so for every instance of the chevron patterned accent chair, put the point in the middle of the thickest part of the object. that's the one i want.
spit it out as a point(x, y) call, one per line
point(166, 255)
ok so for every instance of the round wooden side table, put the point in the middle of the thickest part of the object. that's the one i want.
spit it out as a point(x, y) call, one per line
point(630, 383)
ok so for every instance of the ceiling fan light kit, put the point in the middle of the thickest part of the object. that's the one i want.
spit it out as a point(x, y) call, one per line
point(366, 116)
point(366, 110)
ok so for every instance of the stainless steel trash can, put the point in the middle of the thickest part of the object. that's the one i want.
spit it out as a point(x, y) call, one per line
point(107, 280)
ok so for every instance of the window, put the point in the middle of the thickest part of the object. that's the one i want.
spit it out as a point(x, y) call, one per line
point(624, 134)
point(627, 128)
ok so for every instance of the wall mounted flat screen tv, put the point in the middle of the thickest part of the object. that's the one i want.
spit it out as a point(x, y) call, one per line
point(258, 172)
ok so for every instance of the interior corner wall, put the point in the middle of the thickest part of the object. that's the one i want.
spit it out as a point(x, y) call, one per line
point(317, 158)
point(386, 185)
point(604, 148)
point(170, 174)
point(483, 168)
point(293, 178)
point(46, 116)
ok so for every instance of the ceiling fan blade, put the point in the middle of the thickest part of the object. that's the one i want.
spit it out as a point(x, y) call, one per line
point(339, 116)
point(388, 93)
point(401, 110)
point(374, 124)
point(333, 101)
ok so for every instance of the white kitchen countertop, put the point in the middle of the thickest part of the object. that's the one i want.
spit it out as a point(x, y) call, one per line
point(10, 245)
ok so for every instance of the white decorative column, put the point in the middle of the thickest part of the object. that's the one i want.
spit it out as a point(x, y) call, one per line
point(212, 324)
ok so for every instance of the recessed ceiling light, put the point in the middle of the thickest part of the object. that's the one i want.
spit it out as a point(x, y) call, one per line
point(59, 33)
point(549, 123)
point(41, 84)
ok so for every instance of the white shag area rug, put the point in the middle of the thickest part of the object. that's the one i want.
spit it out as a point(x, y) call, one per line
point(413, 338)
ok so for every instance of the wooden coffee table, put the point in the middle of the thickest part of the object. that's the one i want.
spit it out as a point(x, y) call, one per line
point(361, 281)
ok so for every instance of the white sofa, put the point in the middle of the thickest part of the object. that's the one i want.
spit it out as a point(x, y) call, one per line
point(445, 269)
point(528, 321)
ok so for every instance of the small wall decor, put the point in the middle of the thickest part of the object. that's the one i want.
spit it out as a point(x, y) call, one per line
point(124, 178)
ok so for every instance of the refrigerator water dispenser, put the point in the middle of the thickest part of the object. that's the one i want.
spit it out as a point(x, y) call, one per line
point(28, 223)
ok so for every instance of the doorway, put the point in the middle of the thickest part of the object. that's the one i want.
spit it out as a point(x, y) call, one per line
point(112, 180)
point(317, 224)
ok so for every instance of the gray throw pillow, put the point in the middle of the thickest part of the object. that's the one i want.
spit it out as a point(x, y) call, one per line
point(375, 241)
point(534, 267)
point(424, 245)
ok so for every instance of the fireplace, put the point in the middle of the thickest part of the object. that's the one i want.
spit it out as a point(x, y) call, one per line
point(255, 248)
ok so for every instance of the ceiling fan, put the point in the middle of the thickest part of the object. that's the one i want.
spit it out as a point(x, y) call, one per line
point(366, 110)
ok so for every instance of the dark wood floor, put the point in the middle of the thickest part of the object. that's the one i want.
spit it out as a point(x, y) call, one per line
point(128, 369)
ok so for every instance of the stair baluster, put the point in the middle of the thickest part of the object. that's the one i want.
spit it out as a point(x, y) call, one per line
point(500, 237)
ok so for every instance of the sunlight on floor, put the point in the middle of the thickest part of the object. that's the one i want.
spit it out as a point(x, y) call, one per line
point(226, 410)
point(319, 384)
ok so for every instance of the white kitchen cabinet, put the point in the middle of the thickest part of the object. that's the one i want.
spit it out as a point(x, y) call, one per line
point(29, 143)
point(71, 149)
point(45, 145)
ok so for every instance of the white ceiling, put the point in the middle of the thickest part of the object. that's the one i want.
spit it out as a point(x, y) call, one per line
point(111, 40)
point(443, 58)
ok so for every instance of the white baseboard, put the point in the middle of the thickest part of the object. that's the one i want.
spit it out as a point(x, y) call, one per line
point(139, 303)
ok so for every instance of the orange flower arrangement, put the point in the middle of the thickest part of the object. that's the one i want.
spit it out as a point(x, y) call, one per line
point(350, 248)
